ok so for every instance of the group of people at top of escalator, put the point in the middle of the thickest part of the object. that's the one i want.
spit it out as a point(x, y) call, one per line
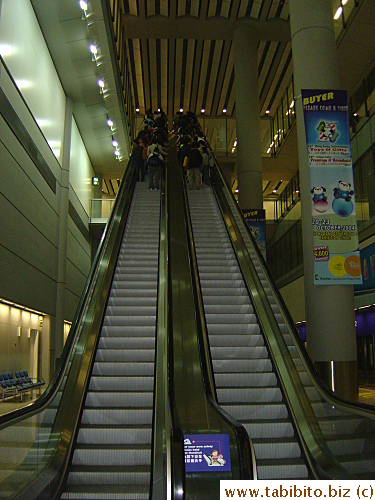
point(149, 148)
point(193, 154)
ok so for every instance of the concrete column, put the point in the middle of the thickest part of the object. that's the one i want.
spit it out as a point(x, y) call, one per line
point(249, 157)
point(330, 316)
point(58, 331)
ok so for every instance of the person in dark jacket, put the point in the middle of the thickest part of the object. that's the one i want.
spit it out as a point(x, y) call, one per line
point(139, 162)
point(194, 165)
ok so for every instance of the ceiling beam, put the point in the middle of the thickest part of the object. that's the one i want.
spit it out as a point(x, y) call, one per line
point(203, 29)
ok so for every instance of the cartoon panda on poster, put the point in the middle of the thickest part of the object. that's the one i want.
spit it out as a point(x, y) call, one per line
point(342, 203)
point(319, 199)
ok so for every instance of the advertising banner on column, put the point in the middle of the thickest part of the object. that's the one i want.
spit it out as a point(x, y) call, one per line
point(334, 220)
point(256, 220)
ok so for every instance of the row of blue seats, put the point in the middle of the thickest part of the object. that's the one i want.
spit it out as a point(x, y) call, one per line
point(20, 383)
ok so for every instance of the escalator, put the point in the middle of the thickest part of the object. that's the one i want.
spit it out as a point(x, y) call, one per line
point(245, 381)
point(113, 448)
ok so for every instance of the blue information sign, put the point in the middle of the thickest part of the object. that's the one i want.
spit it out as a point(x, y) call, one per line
point(206, 452)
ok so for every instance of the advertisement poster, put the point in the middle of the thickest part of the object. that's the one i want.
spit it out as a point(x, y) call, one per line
point(336, 253)
point(256, 220)
point(206, 452)
point(368, 268)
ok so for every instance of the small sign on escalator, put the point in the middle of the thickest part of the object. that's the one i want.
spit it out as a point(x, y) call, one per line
point(206, 452)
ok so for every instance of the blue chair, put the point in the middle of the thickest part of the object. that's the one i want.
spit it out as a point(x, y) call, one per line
point(8, 385)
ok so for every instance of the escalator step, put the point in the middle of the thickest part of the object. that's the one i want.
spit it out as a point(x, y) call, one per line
point(114, 435)
point(112, 455)
point(240, 352)
point(135, 369)
point(244, 329)
point(101, 416)
point(126, 343)
point(262, 379)
point(109, 383)
point(276, 448)
point(282, 469)
point(130, 331)
point(118, 399)
point(242, 365)
point(249, 395)
point(237, 340)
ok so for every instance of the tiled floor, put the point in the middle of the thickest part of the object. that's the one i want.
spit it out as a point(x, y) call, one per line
point(11, 403)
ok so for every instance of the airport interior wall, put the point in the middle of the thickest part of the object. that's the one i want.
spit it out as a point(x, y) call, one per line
point(31, 137)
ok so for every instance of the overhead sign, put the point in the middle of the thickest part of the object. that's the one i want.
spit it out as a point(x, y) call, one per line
point(334, 220)
point(206, 452)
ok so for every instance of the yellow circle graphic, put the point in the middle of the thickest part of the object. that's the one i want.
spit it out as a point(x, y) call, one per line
point(336, 266)
point(353, 265)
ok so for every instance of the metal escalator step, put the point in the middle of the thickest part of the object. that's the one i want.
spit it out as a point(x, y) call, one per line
point(139, 310)
point(240, 352)
point(116, 355)
point(133, 293)
point(108, 475)
point(133, 284)
point(135, 369)
point(259, 380)
point(249, 395)
point(224, 283)
point(256, 412)
point(143, 271)
point(218, 299)
point(129, 321)
point(130, 330)
point(209, 291)
point(116, 399)
point(269, 429)
point(243, 329)
point(282, 469)
point(123, 343)
point(119, 300)
point(101, 416)
point(228, 309)
point(237, 340)
point(145, 277)
point(106, 492)
point(112, 455)
point(242, 365)
point(109, 383)
point(276, 448)
point(95, 434)
point(231, 319)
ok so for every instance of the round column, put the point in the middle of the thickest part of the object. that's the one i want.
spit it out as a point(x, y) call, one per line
point(249, 158)
point(330, 318)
